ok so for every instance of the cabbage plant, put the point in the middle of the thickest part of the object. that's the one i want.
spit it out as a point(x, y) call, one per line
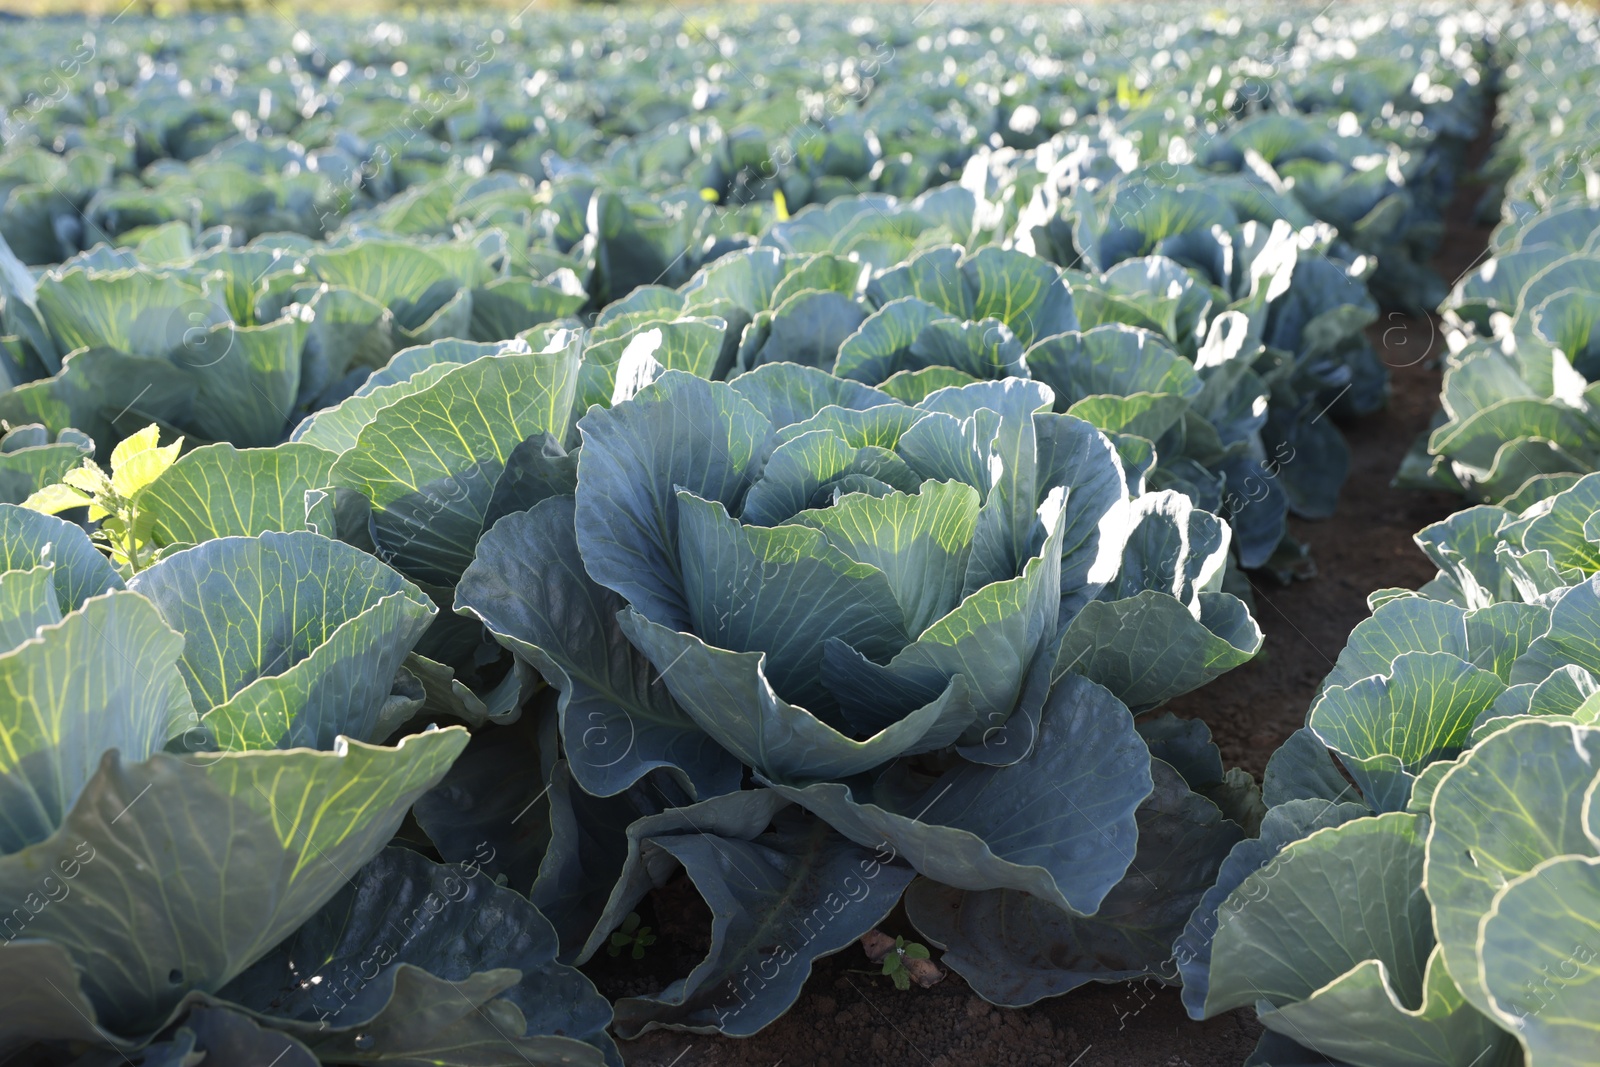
point(198, 761)
point(1152, 245)
point(1519, 422)
point(799, 627)
point(598, 464)
point(1518, 418)
point(236, 345)
point(1433, 876)
point(1171, 366)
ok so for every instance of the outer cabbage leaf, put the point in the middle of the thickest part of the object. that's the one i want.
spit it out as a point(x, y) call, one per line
point(679, 433)
point(429, 462)
point(1516, 800)
point(1386, 728)
point(980, 827)
point(1334, 946)
point(1539, 958)
point(728, 696)
point(104, 677)
point(1283, 825)
point(1015, 948)
point(1573, 636)
point(220, 491)
point(457, 932)
point(292, 639)
point(164, 901)
point(778, 901)
point(29, 539)
point(528, 586)
point(1150, 648)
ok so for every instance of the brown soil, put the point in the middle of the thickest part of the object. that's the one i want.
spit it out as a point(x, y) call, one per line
point(849, 1018)
point(1367, 545)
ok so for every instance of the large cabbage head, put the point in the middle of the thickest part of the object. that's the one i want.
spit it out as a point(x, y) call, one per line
point(825, 587)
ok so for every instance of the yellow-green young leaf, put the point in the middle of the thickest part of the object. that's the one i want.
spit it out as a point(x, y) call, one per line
point(114, 535)
point(54, 499)
point(139, 460)
point(89, 478)
point(141, 441)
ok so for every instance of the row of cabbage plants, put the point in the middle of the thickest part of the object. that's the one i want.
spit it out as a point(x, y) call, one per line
point(1437, 877)
point(488, 526)
point(1193, 178)
point(785, 624)
point(1424, 885)
point(1517, 422)
point(143, 124)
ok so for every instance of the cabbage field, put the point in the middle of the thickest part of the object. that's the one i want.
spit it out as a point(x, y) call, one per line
point(653, 536)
